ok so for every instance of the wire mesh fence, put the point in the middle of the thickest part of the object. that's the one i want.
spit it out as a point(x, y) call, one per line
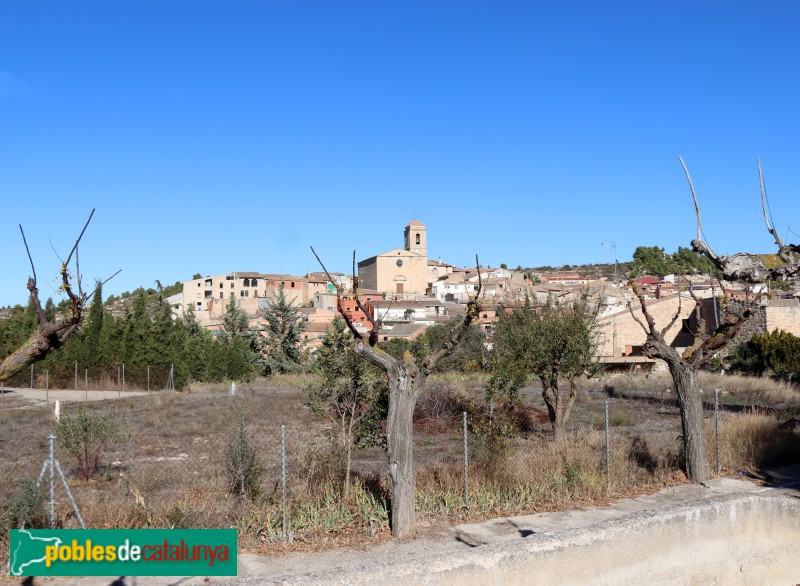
point(169, 467)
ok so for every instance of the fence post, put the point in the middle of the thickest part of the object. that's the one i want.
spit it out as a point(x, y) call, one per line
point(2, 395)
point(608, 451)
point(148, 379)
point(51, 437)
point(31, 375)
point(716, 425)
point(86, 384)
point(76, 376)
point(118, 379)
point(47, 385)
point(283, 482)
point(123, 376)
point(466, 461)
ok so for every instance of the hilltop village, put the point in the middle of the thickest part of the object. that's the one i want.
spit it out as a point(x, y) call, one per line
point(406, 291)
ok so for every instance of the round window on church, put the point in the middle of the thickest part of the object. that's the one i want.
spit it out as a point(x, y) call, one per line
point(399, 262)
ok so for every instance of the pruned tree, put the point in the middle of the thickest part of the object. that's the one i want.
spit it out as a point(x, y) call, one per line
point(406, 378)
point(683, 366)
point(51, 330)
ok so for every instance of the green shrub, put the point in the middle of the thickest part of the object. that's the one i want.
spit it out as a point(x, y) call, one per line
point(86, 436)
point(24, 508)
point(243, 468)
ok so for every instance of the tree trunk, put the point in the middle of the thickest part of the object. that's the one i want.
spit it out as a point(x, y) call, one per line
point(552, 399)
point(698, 468)
point(400, 447)
point(349, 459)
point(404, 387)
point(35, 348)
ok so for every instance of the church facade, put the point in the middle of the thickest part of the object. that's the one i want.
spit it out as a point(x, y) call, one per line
point(401, 273)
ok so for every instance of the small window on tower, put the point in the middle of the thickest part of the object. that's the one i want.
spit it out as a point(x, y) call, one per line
point(417, 238)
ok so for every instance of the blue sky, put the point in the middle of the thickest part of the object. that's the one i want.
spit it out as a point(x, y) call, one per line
point(222, 136)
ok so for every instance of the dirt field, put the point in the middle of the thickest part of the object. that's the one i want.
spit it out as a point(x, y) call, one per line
point(168, 470)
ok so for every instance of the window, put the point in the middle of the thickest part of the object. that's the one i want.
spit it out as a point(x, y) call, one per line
point(231, 285)
point(229, 277)
point(208, 282)
point(417, 238)
point(220, 285)
point(292, 284)
point(198, 284)
point(246, 283)
point(254, 282)
point(208, 294)
point(221, 295)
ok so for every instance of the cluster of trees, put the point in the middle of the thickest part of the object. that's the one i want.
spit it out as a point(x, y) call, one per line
point(653, 260)
point(146, 334)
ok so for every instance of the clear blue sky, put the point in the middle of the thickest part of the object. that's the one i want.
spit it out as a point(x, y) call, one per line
point(222, 136)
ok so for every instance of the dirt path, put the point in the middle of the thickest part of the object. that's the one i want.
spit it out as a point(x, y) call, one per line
point(21, 398)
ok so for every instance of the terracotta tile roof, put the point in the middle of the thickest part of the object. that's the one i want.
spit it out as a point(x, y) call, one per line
point(415, 222)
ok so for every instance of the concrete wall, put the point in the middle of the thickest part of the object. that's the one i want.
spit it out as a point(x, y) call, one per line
point(731, 540)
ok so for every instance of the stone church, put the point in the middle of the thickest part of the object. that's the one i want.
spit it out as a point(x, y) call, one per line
point(401, 273)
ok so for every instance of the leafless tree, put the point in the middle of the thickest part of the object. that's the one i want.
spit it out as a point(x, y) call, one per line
point(683, 367)
point(50, 335)
point(406, 379)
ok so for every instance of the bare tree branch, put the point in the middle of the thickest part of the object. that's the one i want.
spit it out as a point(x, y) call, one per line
point(49, 335)
point(767, 215)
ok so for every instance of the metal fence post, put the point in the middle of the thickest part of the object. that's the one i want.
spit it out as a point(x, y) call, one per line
point(31, 375)
point(118, 379)
point(466, 460)
point(2, 395)
point(608, 451)
point(47, 385)
point(86, 384)
point(123, 376)
point(283, 482)
point(148, 379)
point(716, 425)
point(51, 437)
point(76, 376)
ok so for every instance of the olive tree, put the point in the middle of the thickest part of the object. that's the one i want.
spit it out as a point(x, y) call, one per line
point(553, 342)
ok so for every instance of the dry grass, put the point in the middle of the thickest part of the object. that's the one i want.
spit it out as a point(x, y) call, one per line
point(170, 471)
point(753, 440)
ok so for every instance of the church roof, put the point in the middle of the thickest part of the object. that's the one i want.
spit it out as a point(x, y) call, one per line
point(415, 222)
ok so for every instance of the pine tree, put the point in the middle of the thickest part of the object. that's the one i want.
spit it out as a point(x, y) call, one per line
point(283, 333)
point(93, 328)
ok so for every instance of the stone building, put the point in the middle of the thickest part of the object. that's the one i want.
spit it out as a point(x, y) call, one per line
point(401, 273)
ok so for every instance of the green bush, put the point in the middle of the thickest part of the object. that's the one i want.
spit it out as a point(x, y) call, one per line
point(24, 508)
point(243, 468)
point(86, 437)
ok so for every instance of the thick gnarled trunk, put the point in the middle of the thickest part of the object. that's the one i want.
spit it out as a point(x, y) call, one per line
point(400, 448)
point(35, 348)
point(404, 385)
point(698, 468)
